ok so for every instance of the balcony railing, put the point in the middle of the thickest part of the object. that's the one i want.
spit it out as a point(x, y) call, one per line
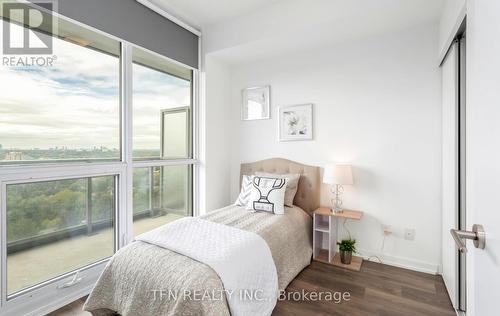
point(89, 225)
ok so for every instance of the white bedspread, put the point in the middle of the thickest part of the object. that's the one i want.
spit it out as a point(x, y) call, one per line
point(242, 260)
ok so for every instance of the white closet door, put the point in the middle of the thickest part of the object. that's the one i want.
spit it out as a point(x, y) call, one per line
point(450, 171)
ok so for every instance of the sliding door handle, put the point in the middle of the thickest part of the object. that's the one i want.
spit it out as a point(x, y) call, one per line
point(477, 235)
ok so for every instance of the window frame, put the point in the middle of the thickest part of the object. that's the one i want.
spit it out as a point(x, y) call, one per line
point(47, 295)
point(35, 295)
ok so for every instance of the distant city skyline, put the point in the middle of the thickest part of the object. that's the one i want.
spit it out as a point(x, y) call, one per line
point(61, 148)
point(62, 153)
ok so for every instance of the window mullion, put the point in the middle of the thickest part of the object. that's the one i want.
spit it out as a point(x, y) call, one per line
point(159, 163)
point(3, 244)
point(196, 146)
point(125, 208)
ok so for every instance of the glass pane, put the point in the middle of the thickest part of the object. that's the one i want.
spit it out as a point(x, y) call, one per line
point(161, 195)
point(55, 227)
point(142, 189)
point(158, 85)
point(65, 110)
point(175, 134)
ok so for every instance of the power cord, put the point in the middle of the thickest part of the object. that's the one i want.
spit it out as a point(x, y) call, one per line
point(386, 233)
point(381, 250)
point(345, 228)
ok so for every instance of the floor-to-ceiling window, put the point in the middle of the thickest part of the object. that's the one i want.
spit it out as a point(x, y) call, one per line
point(162, 141)
point(52, 118)
point(95, 149)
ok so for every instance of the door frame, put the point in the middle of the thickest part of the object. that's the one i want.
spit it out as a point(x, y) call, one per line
point(459, 44)
point(461, 172)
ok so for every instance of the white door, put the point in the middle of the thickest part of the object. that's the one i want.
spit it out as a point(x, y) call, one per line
point(483, 154)
point(450, 74)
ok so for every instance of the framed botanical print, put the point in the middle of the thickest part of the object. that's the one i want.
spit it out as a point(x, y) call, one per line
point(296, 122)
point(255, 103)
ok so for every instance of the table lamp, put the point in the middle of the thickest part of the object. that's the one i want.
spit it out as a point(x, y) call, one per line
point(337, 175)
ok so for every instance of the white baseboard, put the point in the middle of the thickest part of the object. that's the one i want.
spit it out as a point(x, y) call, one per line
point(401, 262)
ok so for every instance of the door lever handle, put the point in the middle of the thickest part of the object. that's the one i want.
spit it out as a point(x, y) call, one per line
point(477, 235)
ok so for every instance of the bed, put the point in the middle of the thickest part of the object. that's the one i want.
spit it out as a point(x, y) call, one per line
point(137, 277)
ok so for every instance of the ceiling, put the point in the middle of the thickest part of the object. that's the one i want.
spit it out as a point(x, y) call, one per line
point(201, 13)
point(243, 30)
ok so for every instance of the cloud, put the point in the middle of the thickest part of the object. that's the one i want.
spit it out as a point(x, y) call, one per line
point(75, 103)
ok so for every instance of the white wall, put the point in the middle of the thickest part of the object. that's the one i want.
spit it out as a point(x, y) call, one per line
point(281, 27)
point(216, 142)
point(377, 104)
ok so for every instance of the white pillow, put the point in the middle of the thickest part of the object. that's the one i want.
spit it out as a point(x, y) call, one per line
point(246, 190)
point(291, 186)
point(268, 195)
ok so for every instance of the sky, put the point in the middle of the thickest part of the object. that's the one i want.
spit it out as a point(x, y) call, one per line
point(75, 103)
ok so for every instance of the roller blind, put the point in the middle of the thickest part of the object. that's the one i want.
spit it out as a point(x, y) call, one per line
point(135, 23)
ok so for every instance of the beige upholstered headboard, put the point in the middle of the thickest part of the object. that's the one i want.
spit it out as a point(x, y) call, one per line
point(308, 193)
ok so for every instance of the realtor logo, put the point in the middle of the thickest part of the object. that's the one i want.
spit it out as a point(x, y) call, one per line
point(30, 26)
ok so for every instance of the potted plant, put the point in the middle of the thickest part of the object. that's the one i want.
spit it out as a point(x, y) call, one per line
point(346, 248)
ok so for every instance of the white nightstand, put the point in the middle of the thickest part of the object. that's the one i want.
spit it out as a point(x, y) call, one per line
point(325, 222)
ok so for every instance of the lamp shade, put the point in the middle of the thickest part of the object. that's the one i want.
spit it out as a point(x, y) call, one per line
point(338, 174)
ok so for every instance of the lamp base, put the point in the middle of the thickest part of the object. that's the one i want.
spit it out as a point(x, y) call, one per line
point(337, 210)
point(337, 200)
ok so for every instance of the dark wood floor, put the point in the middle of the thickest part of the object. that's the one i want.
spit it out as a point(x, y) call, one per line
point(376, 290)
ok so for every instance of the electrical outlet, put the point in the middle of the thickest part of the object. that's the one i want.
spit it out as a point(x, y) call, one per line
point(409, 234)
point(386, 229)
